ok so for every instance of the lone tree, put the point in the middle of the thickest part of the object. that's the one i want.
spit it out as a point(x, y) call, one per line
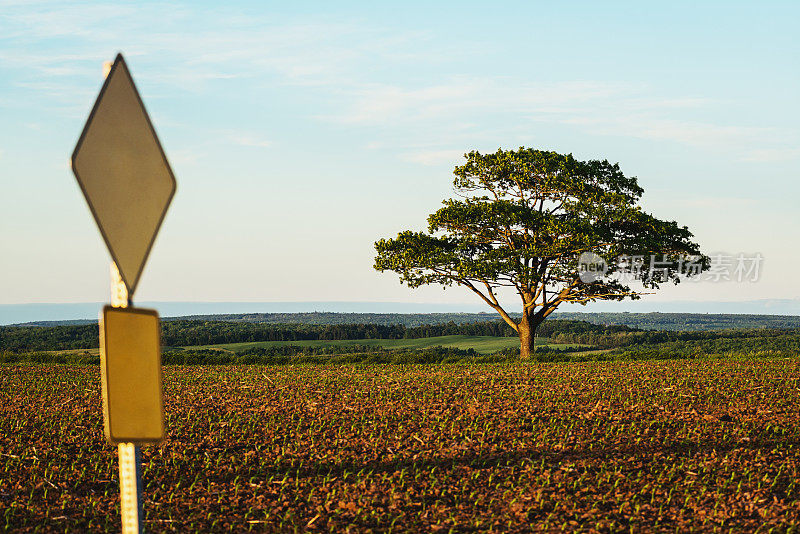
point(526, 219)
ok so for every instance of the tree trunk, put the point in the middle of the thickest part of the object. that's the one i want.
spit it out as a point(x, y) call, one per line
point(527, 333)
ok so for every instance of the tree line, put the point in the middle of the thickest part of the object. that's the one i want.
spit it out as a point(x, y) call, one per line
point(684, 321)
point(180, 333)
point(699, 338)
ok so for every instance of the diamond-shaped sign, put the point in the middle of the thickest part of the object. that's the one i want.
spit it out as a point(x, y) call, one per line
point(123, 173)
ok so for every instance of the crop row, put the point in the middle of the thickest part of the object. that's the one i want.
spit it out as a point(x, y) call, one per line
point(657, 446)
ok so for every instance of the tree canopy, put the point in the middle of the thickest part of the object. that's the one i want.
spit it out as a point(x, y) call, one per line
point(524, 218)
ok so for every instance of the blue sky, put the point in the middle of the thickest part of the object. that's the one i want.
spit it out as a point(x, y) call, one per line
point(301, 132)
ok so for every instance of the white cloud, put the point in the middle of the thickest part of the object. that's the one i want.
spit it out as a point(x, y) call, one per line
point(773, 154)
point(184, 156)
point(747, 143)
point(222, 43)
point(652, 126)
point(720, 203)
point(377, 104)
point(606, 109)
point(435, 157)
point(249, 140)
point(697, 133)
point(337, 56)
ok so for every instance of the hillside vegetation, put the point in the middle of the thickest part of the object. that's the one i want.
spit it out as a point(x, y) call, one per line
point(183, 333)
point(229, 342)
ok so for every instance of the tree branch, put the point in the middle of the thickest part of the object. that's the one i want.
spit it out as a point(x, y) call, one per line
point(499, 309)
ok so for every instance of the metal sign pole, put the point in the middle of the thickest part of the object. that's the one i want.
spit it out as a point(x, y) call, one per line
point(128, 203)
point(130, 478)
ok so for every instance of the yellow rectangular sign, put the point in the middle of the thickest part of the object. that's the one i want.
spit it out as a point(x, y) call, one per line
point(130, 366)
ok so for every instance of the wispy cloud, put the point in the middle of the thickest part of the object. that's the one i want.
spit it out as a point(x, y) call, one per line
point(335, 59)
point(721, 203)
point(773, 154)
point(221, 45)
point(248, 140)
point(606, 109)
point(747, 143)
point(183, 156)
point(375, 104)
point(434, 157)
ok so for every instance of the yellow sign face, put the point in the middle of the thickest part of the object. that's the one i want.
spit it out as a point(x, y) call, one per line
point(123, 173)
point(130, 366)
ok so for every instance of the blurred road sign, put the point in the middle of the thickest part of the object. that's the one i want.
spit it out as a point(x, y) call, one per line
point(130, 361)
point(123, 173)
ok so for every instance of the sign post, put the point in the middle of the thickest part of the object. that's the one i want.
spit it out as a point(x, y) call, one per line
point(130, 477)
point(128, 184)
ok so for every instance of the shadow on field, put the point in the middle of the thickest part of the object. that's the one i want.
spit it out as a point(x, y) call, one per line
point(547, 458)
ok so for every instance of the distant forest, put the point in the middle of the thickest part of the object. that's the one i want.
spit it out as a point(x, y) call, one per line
point(608, 330)
point(641, 336)
point(643, 321)
point(684, 321)
point(180, 333)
